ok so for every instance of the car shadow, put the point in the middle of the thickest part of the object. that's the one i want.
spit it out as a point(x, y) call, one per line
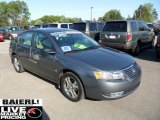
point(44, 79)
point(45, 115)
point(148, 54)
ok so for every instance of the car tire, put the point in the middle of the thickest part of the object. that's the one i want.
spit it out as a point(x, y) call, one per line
point(137, 49)
point(17, 64)
point(152, 44)
point(10, 37)
point(71, 87)
point(158, 55)
point(97, 37)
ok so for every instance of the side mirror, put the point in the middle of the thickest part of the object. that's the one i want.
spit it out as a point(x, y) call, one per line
point(50, 51)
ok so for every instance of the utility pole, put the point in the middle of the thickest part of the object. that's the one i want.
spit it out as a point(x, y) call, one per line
point(91, 13)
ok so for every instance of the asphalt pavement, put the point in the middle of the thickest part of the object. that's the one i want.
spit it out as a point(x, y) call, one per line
point(143, 104)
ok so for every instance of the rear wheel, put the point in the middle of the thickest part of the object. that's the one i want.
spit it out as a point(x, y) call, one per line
point(10, 37)
point(137, 49)
point(158, 55)
point(17, 64)
point(71, 87)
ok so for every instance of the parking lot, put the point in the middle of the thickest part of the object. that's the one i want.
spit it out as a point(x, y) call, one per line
point(143, 104)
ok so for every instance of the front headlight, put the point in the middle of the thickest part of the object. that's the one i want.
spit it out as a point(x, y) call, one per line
point(109, 75)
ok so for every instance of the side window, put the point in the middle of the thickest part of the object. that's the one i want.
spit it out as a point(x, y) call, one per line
point(70, 26)
point(64, 26)
point(133, 26)
point(146, 28)
point(100, 26)
point(26, 38)
point(141, 27)
point(92, 27)
point(42, 41)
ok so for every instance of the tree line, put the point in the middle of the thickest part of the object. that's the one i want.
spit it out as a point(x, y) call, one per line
point(14, 13)
point(145, 12)
point(17, 13)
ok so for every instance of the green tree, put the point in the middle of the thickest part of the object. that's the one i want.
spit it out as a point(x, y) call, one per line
point(18, 13)
point(112, 15)
point(155, 14)
point(146, 13)
point(4, 14)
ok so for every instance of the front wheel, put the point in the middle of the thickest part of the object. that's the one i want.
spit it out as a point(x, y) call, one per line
point(71, 87)
point(17, 64)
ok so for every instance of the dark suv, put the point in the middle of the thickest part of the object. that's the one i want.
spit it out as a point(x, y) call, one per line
point(157, 46)
point(129, 35)
point(91, 29)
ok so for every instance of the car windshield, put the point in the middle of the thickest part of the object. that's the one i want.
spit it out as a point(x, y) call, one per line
point(74, 41)
point(150, 25)
point(14, 28)
point(118, 26)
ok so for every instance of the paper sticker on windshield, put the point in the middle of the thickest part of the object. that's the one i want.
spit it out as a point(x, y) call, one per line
point(59, 34)
point(66, 48)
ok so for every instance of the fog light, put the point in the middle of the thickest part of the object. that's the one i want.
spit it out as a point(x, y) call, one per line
point(117, 94)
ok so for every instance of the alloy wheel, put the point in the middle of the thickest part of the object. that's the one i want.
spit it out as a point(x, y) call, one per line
point(71, 87)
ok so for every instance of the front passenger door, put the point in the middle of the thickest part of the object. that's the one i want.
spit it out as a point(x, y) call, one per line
point(44, 63)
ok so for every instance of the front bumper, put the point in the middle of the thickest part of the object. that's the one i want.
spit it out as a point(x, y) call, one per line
point(102, 89)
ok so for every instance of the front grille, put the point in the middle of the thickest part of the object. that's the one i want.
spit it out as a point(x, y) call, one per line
point(131, 71)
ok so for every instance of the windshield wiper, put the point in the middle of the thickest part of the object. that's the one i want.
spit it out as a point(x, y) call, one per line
point(92, 47)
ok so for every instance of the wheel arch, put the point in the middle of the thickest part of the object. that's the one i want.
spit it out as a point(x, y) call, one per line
point(71, 71)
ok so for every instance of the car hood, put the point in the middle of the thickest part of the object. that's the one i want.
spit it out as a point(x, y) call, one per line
point(103, 59)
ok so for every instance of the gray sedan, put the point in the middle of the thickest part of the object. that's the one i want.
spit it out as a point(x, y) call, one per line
point(76, 63)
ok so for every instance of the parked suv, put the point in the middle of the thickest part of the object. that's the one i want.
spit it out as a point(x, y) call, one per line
point(60, 25)
point(91, 29)
point(129, 35)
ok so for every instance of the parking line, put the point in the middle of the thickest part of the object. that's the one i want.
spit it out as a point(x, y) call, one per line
point(2, 52)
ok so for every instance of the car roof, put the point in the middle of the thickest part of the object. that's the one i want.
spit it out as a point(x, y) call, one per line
point(52, 30)
point(89, 22)
point(123, 21)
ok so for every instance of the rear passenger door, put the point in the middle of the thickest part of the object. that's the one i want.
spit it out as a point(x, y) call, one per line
point(143, 33)
point(149, 33)
point(23, 48)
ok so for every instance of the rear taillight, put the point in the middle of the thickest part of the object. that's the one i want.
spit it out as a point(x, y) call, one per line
point(87, 33)
point(129, 36)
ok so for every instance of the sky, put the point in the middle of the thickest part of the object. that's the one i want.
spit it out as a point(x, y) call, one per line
point(82, 8)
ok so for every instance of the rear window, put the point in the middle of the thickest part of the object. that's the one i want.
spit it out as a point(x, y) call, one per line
point(53, 25)
point(92, 27)
point(79, 26)
point(64, 26)
point(120, 26)
point(44, 26)
point(37, 26)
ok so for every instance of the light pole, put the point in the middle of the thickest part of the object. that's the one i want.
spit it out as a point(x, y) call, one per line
point(91, 13)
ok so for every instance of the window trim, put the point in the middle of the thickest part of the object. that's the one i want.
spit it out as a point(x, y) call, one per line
point(19, 41)
point(34, 40)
